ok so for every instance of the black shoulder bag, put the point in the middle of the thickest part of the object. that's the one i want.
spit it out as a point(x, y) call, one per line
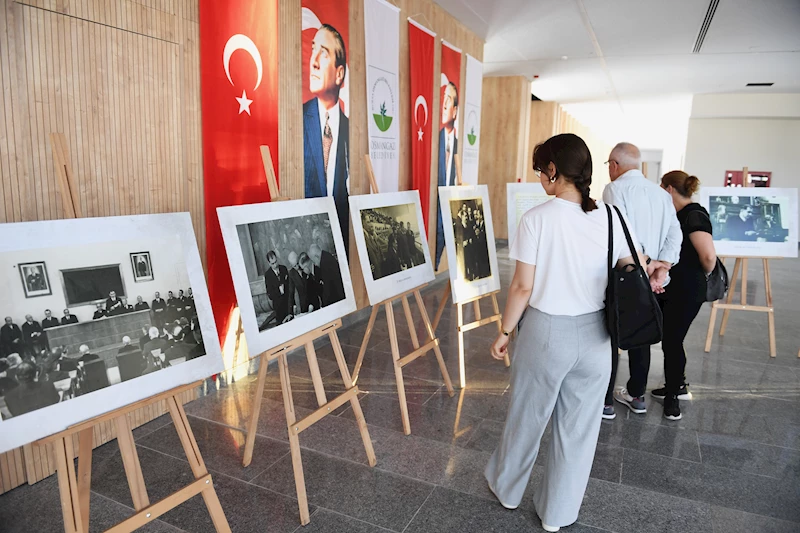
point(717, 281)
point(632, 313)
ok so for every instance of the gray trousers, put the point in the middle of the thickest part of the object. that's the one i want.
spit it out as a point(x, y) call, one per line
point(561, 367)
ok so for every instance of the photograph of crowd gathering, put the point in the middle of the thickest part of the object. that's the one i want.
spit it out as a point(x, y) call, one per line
point(469, 233)
point(392, 237)
point(748, 218)
point(51, 357)
point(292, 267)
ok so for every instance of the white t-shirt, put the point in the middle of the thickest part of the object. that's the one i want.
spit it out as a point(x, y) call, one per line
point(570, 251)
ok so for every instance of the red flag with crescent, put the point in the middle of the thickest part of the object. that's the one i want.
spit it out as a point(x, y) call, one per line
point(421, 44)
point(239, 91)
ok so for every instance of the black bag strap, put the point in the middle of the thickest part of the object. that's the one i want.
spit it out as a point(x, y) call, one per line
point(610, 240)
point(634, 253)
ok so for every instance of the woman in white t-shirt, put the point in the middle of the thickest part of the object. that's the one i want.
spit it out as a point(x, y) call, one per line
point(562, 360)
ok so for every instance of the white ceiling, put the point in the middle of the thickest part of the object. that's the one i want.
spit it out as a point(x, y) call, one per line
point(624, 49)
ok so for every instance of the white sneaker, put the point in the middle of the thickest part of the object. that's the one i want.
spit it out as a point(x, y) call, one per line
point(550, 528)
point(501, 501)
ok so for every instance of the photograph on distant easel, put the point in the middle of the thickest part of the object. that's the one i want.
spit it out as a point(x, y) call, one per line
point(99, 325)
point(469, 231)
point(392, 237)
point(292, 267)
point(750, 218)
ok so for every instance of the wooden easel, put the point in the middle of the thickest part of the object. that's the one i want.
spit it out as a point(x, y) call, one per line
point(462, 327)
point(294, 426)
point(74, 489)
point(741, 267)
point(431, 341)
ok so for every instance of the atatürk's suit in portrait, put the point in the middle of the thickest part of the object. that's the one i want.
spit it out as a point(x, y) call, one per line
point(326, 129)
point(448, 148)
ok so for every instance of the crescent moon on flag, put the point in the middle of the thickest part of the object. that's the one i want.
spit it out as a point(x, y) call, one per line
point(242, 42)
point(310, 20)
point(420, 101)
point(444, 81)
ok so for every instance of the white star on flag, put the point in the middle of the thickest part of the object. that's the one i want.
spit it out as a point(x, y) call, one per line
point(244, 103)
point(419, 134)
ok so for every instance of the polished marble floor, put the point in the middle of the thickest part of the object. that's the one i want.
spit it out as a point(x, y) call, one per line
point(731, 465)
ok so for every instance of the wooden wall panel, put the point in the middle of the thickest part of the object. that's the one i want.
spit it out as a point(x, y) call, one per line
point(505, 118)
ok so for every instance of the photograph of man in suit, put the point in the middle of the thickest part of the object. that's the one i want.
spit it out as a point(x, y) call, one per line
point(298, 289)
point(448, 147)
point(10, 338)
point(68, 318)
point(330, 277)
point(276, 279)
point(326, 129)
point(113, 304)
point(49, 320)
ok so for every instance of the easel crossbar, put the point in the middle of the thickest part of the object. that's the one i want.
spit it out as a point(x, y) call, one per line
point(419, 352)
point(152, 512)
point(479, 323)
point(326, 409)
point(302, 340)
point(739, 307)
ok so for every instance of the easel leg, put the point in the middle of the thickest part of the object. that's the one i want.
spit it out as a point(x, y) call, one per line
point(316, 377)
point(462, 376)
point(252, 424)
point(410, 320)
point(731, 290)
point(130, 459)
point(442, 304)
point(364, 343)
point(197, 464)
point(496, 308)
point(354, 403)
point(398, 370)
point(68, 485)
point(436, 350)
point(771, 313)
point(712, 322)
point(85, 445)
point(294, 440)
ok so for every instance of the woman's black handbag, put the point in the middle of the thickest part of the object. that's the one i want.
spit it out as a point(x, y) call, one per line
point(717, 282)
point(633, 315)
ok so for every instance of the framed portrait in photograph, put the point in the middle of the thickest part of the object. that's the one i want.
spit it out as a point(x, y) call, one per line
point(142, 267)
point(469, 239)
point(289, 268)
point(752, 221)
point(103, 356)
point(520, 197)
point(34, 279)
point(392, 247)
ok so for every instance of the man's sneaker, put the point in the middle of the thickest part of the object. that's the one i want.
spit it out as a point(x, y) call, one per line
point(683, 393)
point(608, 412)
point(635, 404)
point(672, 407)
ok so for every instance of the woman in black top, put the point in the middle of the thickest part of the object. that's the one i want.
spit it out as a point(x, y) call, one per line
point(686, 291)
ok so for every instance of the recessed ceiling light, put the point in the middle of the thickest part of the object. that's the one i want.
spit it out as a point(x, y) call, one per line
point(770, 84)
point(564, 58)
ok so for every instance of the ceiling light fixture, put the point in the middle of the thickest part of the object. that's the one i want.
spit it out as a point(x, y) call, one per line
point(762, 84)
point(701, 37)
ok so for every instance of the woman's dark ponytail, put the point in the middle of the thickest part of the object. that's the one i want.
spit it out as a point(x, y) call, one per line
point(572, 158)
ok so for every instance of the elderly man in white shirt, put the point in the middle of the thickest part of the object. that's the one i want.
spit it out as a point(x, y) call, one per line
point(652, 216)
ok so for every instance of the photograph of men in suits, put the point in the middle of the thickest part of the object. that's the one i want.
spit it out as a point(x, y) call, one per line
point(391, 239)
point(326, 129)
point(469, 234)
point(276, 279)
point(330, 277)
point(10, 338)
point(448, 148)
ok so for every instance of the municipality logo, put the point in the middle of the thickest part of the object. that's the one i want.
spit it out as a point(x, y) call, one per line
point(382, 104)
point(472, 123)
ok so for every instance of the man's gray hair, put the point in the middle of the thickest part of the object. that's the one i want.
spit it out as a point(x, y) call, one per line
point(626, 155)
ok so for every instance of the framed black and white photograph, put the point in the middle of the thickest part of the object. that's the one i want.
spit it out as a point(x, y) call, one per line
point(469, 240)
point(521, 198)
point(392, 247)
point(289, 268)
point(142, 267)
point(752, 221)
point(34, 279)
point(89, 347)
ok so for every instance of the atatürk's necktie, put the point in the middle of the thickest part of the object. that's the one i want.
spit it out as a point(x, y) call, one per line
point(327, 141)
point(446, 158)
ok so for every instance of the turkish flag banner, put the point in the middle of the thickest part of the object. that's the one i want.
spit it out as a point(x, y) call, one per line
point(450, 97)
point(421, 44)
point(239, 91)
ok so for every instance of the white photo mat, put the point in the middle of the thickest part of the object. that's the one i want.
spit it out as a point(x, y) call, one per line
point(259, 342)
point(520, 197)
point(28, 427)
point(784, 201)
point(384, 288)
point(462, 289)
